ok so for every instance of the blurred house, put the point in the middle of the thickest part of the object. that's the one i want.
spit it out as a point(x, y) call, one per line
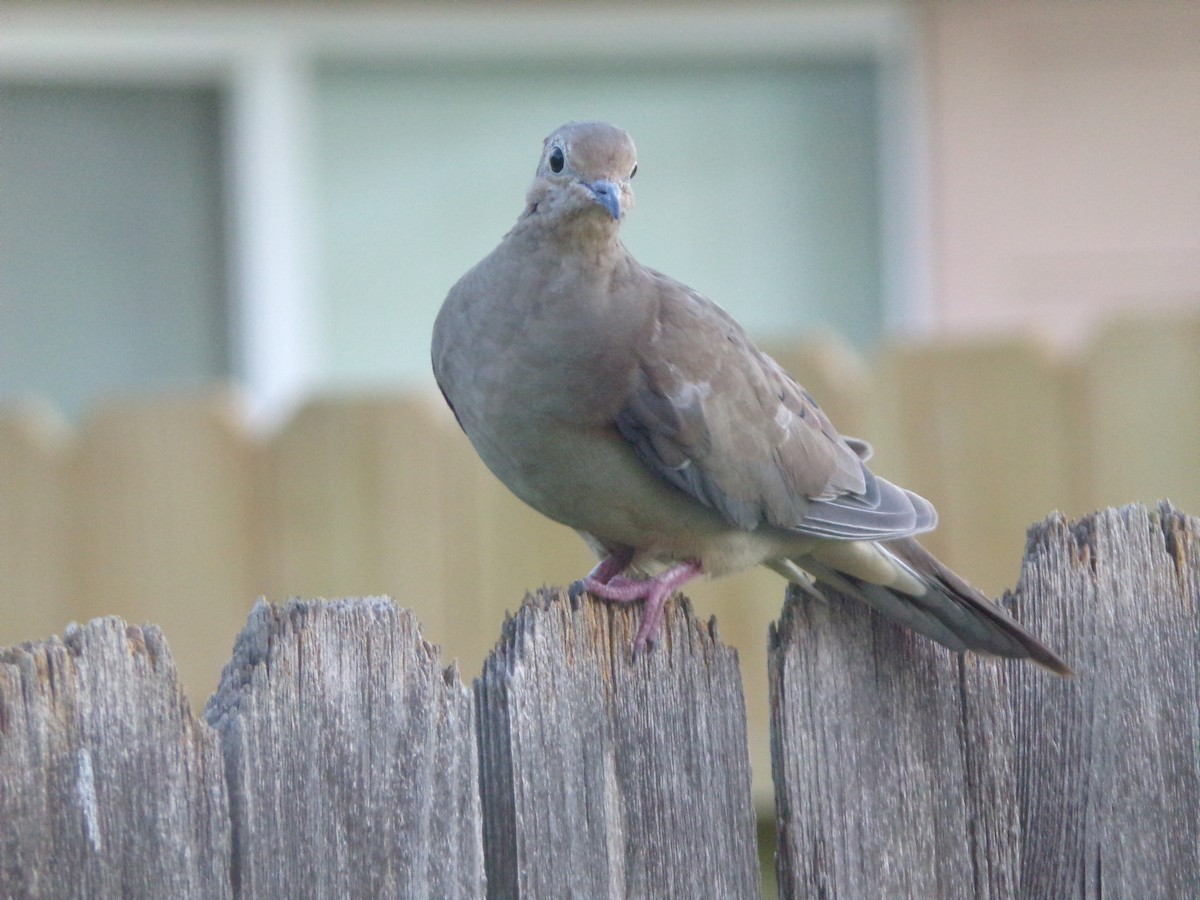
point(280, 195)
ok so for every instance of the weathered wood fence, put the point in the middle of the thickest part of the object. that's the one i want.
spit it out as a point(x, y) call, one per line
point(170, 509)
point(338, 759)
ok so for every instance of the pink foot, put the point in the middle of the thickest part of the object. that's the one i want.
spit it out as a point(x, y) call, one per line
point(654, 591)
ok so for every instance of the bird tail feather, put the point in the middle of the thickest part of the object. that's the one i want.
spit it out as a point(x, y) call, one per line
point(949, 610)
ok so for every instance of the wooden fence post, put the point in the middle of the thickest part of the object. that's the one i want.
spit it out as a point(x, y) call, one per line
point(1110, 801)
point(902, 770)
point(109, 787)
point(609, 776)
point(342, 760)
point(876, 740)
point(350, 756)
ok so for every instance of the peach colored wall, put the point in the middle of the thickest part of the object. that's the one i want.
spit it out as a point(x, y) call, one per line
point(1065, 161)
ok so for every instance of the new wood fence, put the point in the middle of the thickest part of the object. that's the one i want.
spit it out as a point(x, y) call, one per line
point(339, 759)
point(169, 509)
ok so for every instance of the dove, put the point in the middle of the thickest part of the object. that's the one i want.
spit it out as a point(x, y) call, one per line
point(621, 403)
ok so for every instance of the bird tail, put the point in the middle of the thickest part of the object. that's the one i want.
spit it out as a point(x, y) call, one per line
point(930, 599)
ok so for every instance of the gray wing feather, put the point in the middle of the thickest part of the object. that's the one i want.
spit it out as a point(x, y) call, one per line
point(882, 512)
point(722, 421)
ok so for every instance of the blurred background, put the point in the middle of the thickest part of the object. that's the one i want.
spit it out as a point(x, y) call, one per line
point(971, 229)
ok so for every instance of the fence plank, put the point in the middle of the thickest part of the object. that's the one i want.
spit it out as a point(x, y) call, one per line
point(350, 756)
point(166, 514)
point(109, 787)
point(609, 776)
point(744, 604)
point(35, 524)
point(1139, 411)
point(874, 747)
point(1110, 801)
point(983, 429)
point(353, 506)
point(901, 771)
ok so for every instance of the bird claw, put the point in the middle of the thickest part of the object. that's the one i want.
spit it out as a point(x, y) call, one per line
point(645, 645)
point(629, 590)
point(654, 591)
point(576, 590)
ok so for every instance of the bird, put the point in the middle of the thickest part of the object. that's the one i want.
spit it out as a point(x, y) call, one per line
point(622, 403)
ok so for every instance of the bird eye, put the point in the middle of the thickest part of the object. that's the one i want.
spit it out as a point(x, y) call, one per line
point(634, 172)
point(557, 160)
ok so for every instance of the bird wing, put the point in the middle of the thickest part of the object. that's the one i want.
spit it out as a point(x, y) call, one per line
point(720, 420)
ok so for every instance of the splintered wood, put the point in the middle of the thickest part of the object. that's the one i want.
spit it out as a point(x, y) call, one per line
point(903, 771)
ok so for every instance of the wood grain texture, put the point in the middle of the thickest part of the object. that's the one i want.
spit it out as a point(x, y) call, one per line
point(891, 777)
point(609, 776)
point(109, 786)
point(1110, 760)
point(902, 770)
point(350, 756)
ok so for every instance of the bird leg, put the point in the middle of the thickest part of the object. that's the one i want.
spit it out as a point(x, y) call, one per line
point(654, 591)
point(611, 566)
point(605, 571)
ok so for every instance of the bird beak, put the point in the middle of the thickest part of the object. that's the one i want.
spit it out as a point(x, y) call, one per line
point(608, 195)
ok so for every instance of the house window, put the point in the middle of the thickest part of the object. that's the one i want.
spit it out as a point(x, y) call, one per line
point(285, 200)
point(757, 185)
point(112, 247)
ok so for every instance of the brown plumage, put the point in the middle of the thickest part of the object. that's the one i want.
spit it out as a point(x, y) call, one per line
point(622, 403)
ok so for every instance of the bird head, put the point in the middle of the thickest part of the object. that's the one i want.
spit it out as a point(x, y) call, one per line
point(585, 167)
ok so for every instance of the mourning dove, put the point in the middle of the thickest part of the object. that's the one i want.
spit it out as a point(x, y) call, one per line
point(626, 405)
